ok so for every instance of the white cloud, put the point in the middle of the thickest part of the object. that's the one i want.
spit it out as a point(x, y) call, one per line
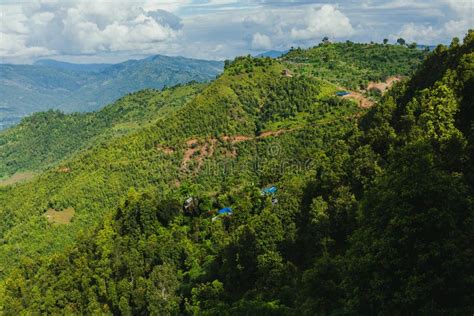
point(326, 21)
point(412, 32)
point(461, 7)
point(83, 27)
point(92, 30)
point(13, 45)
point(261, 42)
point(457, 28)
point(427, 34)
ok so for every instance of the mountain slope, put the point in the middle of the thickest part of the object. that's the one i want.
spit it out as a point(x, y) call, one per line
point(96, 178)
point(373, 210)
point(43, 139)
point(32, 88)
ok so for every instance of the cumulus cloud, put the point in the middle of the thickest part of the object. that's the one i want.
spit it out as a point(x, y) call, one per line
point(459, 15)
point(412, 32)
point(115, 30)
point(261, 42)
point(464, 20)
point(326, 21)
point(51, 27)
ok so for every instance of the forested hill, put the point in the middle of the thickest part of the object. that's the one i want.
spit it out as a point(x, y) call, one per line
point(45, 138)
point(26, 89)
point(353, 65)
point(326, 208)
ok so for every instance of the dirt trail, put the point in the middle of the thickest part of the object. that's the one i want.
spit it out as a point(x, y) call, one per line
point(205, 150)
point(274, 133)
point(236, 139)
point(363, 102)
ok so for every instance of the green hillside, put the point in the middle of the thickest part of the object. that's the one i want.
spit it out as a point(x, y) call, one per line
point(98, 177)
point(43, 139)
point(26, 89)
point(373, 211)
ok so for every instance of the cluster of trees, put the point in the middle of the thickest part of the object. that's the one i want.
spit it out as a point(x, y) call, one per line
point(380, 220)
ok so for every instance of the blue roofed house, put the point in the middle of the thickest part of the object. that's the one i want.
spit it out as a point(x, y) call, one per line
point(270, 190)
point(225, 211)
point(342, 93)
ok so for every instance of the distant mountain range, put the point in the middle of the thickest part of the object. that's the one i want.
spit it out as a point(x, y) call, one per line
point(70, 66)
point(272, 53)
point(51, 84)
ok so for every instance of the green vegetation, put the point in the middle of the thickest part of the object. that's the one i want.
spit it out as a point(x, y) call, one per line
point(353, 65)
point(45, 138)
point(373, 213)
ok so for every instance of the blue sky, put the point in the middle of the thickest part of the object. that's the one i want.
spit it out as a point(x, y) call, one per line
point(113, 31)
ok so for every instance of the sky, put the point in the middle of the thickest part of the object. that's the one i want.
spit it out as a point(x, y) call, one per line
point(86, 31)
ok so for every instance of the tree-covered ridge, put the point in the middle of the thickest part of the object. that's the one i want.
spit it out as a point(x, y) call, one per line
point(353, 65)
point(373, 213)
point(45, 138)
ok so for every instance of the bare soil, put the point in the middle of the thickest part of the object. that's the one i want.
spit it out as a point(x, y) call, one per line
point(60, 217)
point(17, 177)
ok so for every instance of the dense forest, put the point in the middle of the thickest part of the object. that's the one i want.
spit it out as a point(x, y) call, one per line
point(370, 211)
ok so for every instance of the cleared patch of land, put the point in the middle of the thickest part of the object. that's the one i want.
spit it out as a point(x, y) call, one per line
point(383, 86)
point(17, 177)
point(60, 217)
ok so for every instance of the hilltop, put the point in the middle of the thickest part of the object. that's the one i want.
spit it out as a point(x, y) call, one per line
point(31, 146)
point(250, 98)
point(71, 66)
point(354, 65)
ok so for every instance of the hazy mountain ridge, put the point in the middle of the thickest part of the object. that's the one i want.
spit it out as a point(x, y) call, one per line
point(71, 88)
point(71, 66)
